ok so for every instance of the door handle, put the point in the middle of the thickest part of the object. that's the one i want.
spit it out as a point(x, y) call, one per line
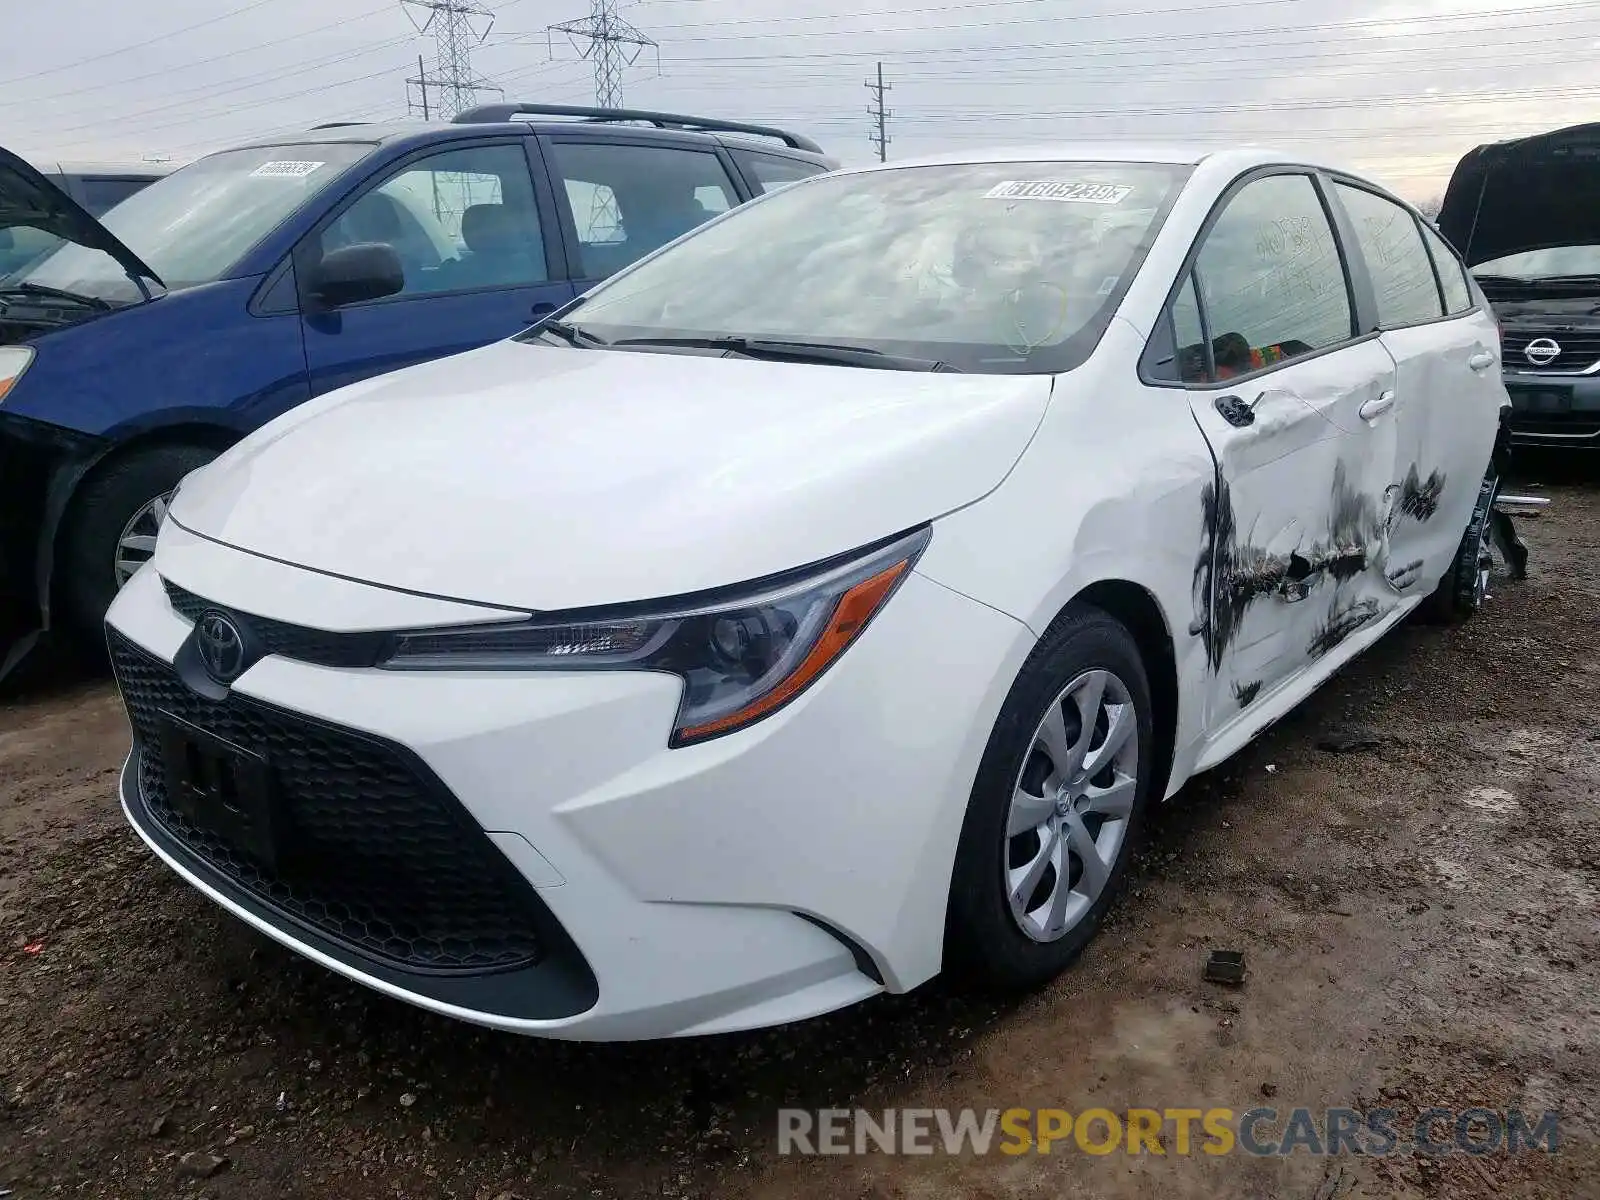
point(541, 310)
point(1377, 406)
point(1481, 361)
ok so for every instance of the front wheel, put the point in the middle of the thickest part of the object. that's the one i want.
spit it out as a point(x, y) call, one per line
point(1057, 807)
point(110, 531)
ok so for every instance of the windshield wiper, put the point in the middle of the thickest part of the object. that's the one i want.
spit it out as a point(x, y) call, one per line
point(50, 293)
point(571, 334)
point(783, 349)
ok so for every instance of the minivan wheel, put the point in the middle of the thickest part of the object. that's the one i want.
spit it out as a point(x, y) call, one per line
point(111, 528)
point(1057, 807)
point(1465, 586)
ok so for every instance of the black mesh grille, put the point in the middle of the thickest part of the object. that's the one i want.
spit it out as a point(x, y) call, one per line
point(299, 642)
point(1579, 351)
point(377, 854)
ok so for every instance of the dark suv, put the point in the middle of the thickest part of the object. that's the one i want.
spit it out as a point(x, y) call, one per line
point(256, 278)
point(1525, 215)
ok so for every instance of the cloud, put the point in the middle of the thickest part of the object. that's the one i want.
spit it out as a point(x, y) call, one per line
point(1399, 88)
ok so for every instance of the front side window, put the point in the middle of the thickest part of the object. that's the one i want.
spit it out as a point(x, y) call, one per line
point(628, 200)
point(996, 267)
point(194, 225)
point(460, 221)
point(1452, 275)
point(1270, 277)
point(1397, 260)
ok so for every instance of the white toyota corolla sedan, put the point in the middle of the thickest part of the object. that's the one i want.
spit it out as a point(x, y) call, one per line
point(819, 604)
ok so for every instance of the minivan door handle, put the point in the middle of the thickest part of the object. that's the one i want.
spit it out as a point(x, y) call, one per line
point(1377, 406)
point(1481, 361)
point(541, 310)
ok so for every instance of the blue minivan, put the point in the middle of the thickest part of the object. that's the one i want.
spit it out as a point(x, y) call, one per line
point(256, 278)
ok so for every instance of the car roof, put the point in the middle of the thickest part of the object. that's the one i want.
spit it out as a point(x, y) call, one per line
point(388, 133)
point(1240, 157)
point(148, 170)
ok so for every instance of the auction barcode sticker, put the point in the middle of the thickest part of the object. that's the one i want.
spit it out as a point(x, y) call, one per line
point(1064, 190)
point(287, 170)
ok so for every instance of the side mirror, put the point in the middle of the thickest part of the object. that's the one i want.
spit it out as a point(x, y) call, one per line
point(353, 274)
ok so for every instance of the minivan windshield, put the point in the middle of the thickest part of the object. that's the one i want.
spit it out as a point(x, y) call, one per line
point(196, 223)
point(992, 267)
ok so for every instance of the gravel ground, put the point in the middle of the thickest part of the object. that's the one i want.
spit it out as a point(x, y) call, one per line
point(1420, 912)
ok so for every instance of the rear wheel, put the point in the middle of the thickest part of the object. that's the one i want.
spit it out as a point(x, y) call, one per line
point(1057, 807)
point(1462, 590)
point(110, 531)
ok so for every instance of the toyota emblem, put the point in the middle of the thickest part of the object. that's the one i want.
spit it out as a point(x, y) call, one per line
point(1541, 352)
point(221, 646)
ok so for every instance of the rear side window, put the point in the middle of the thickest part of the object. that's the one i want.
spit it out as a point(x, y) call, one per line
point(1270, 277)
point(1452, 275)
point(628, 200)
point(773, 171)
point(1391, 242)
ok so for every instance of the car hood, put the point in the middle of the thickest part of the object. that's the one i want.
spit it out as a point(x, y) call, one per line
point(27, 198)
point(547, 478)
point(1528, 194)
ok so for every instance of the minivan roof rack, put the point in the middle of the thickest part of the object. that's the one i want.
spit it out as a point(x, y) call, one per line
point(492, 113)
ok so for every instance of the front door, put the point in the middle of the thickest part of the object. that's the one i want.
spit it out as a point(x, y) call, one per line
point(471, 236)
point(1292, 404)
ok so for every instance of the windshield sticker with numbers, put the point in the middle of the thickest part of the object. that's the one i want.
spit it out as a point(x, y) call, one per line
point(1064, 190)
point(287, 170)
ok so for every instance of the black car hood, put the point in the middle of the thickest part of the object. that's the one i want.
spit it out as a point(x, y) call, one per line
point(28, 198)
point(1528, 194)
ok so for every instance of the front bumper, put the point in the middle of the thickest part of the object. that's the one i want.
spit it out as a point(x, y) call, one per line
point(1560, 411)
point(774, 874)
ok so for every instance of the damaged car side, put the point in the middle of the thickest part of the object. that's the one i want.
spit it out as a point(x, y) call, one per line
point(1525, 215)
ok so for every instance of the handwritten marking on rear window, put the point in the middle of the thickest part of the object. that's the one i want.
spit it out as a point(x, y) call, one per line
point(1062, 190)
point(287, 170)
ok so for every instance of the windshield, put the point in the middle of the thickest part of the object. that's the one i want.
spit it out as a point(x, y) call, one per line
point(1544, 264)
point(196, 223)
point(997, 267)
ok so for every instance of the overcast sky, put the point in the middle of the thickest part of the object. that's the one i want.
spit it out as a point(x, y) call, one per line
point(1399, 88)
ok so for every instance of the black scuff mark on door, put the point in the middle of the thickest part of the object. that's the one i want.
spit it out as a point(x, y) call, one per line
point(1246, 693)
point(1419, 498)
point(1400, 578)
point(1228, 577)
point(1343, 620)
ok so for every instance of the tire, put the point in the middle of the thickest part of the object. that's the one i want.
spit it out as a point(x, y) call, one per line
point(986, 944)
point(86, 579)
point(1461, 590)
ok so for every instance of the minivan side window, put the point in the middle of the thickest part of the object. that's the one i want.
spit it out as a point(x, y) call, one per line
point(1391, 243)
point(628, 199)
point(462, 220)
point(1452, 275)
point(1270, 277)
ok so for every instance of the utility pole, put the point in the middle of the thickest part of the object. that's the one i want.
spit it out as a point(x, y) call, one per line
point(614, 44)
point(457, 26)
point(879, 135)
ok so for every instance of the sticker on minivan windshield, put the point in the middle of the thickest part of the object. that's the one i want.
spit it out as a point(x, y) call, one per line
point(287, 170)
point(1064, 190)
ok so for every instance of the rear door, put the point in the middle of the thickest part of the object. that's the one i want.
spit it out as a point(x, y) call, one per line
point(472, 224)
point(1262, 334)
point(622, 198)
point(1446, 360)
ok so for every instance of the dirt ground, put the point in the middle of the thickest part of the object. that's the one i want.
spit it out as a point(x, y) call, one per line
point(1420, 913)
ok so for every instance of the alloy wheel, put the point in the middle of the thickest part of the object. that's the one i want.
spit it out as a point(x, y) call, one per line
point(1071, 805)
point(137, 543)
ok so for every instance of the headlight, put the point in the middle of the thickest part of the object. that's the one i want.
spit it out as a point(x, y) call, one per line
point(740, 658)
point(14, 361)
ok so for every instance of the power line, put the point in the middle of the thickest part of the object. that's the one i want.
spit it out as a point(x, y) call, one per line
point(237, 12)
point(612, 42)
point(879, 135)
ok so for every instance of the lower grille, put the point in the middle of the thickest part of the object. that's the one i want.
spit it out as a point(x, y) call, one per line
point(376, 854)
